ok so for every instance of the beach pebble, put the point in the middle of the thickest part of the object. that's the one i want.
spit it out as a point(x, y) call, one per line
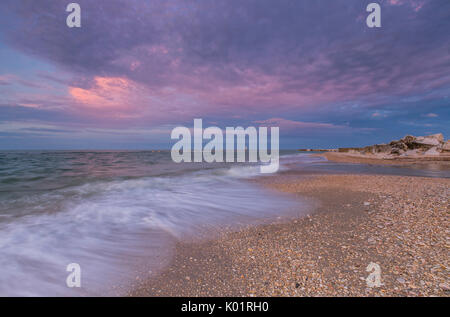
point(401, 280)
point(327, 253)
point(445, 286)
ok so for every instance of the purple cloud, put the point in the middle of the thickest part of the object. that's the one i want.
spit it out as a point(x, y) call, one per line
point(165, 61)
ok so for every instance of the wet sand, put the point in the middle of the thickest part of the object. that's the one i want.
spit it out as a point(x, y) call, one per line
point(400, 223)
point(441, 161)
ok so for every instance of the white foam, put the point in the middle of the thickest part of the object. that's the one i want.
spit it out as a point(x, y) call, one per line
point(105, 225)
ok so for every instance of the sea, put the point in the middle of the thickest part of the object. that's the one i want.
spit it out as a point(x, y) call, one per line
point(118, 214)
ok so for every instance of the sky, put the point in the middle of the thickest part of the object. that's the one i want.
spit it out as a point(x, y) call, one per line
point(138, 68)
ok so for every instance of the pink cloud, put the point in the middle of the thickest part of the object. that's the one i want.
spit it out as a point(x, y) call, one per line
point(108, 93)
point(416, 5)
point(286, 124)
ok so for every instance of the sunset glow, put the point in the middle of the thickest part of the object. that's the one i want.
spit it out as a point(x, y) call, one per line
point(313, 68)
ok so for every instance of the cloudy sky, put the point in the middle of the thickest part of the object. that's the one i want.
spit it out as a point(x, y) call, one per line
point(137, 68)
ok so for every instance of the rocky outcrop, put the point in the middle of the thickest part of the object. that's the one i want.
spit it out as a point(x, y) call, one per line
point(446, 146)
point(408, 146)
point(431, 140)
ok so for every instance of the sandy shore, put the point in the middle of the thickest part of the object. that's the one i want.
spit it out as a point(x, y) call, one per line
point(441, 161)
point(400, 223)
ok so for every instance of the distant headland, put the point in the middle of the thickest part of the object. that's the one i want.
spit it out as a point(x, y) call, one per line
point(410, 149)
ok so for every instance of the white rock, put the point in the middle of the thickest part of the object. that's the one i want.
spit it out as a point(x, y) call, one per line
point(437, 136)
point(410, 153)
point(432, 151)
point(427, 141)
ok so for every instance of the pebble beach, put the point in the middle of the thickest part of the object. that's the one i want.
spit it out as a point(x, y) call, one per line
point(400, 223)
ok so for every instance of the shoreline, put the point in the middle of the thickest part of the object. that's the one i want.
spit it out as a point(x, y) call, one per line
point(443, 161)
point(398, 222)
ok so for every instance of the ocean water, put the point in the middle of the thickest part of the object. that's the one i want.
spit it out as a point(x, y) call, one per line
point(118, 213)
point(114, 213)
